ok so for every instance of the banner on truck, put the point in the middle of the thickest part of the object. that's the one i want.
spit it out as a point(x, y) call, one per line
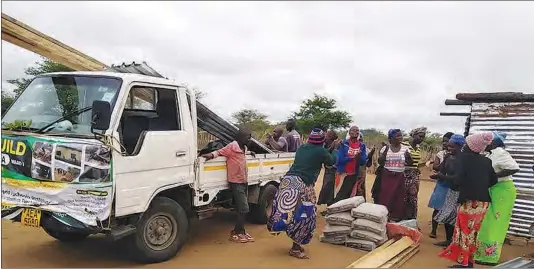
point(64, 177)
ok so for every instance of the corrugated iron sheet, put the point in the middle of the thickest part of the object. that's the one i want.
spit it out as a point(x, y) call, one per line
point(517, 121)
point(207, 119)
point(519, 262)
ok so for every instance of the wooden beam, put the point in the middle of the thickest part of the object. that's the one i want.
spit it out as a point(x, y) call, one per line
point(372, 254)
point(454, 102)
point(24, 36)
point(461, 114)
point(384, 255)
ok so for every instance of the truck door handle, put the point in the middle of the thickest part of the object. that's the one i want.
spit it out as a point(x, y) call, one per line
point(180, 153)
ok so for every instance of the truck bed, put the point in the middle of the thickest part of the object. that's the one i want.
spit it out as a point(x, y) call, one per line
point(211, 177)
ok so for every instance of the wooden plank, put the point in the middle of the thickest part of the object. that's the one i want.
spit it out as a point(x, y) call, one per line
point(401, 257)
point(373, 253)
point(24, 36)
point(408, 257)
point(386, 254)
point(455, 114)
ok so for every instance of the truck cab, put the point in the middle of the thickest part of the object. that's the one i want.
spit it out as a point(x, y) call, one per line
point(115, 153)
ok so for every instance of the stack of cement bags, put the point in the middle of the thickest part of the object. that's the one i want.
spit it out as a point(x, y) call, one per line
point(369, 227)
point(339, 220)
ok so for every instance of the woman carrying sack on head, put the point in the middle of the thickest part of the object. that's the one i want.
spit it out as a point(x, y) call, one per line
point(495, 225)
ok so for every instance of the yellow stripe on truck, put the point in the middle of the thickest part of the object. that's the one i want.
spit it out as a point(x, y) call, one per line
point(249, 165)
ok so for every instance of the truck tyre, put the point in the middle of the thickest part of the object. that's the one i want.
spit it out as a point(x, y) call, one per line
point(161, 231)
point(66, 236)
point(260, 212)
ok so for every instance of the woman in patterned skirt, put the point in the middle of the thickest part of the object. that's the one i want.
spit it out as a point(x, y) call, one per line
point(412, 173)
point(475, 176)
point(446, 214)
point(294, 207)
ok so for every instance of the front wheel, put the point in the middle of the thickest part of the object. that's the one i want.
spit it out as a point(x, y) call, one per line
point(261, 212)
point(66, 236)
point(161, 231)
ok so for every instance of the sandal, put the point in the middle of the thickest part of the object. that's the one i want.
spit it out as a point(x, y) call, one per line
point(238, 238)
point(299, 254)
point(249, 237)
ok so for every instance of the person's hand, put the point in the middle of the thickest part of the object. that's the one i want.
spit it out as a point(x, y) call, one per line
point(253, 154)
point(207, 156)
point(436, 176)
point(269, 136)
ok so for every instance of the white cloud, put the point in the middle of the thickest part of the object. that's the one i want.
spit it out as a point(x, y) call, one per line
point(390, 64)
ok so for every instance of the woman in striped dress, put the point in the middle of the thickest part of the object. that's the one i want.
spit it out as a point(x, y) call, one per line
point(412, 173)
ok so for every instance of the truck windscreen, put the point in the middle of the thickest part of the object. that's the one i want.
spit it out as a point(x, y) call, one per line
point(49, 98)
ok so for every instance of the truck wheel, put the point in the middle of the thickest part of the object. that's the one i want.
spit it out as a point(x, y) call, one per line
point(161, 231)
point(66, 236)
point(261, 212)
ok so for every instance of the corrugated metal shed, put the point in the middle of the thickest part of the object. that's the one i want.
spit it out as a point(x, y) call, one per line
point(207, 119)
point(517, 121)
point(512, 113)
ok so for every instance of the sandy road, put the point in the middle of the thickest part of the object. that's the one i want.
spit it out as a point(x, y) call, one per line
point(209, 247)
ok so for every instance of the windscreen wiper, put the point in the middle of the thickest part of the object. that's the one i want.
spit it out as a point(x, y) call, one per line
point(46, 129)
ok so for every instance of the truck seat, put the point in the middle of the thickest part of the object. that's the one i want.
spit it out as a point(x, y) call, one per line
point(132, 127)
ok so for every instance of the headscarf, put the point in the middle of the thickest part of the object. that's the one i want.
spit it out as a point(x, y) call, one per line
point(418, 131)
point(499, 138)
point(479, 141)
point(457, 139)
point(448, 135)
point(316, 136)
point(393, 132)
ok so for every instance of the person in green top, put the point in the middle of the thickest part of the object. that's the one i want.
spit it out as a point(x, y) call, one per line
point(294, 209)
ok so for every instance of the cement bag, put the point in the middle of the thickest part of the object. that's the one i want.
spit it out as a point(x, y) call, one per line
point(360, 244)
point(409, 223)
point(369, 236)
point(341, 219)
point(345, 205)
point(336, 230)
point(372, 212)
point(336, 240)
point(368, 225)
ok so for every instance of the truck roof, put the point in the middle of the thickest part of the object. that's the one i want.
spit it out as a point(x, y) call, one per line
point(126, 77)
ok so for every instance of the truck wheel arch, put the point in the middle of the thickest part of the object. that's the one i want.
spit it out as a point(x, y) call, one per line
point(180, 194)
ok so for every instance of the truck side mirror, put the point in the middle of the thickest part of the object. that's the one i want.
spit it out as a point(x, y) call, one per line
point(101, 115)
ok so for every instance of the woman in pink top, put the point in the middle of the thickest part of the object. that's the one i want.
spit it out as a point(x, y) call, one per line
point(236, 167)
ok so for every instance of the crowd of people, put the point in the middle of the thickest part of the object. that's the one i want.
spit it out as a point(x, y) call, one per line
point(473, 196)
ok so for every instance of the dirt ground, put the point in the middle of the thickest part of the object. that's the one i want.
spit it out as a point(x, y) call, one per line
point(24, 247)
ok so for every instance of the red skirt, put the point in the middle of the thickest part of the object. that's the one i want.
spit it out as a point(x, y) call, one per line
point(464, 240)
point(392, 194)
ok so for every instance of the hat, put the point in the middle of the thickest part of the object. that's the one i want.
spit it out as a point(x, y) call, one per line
point(457, 139)
point(316, 136)
point(479, 141)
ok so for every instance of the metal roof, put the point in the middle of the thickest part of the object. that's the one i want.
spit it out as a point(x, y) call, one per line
point(135, 68)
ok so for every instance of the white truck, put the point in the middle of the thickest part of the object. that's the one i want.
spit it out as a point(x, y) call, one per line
point(101, 152)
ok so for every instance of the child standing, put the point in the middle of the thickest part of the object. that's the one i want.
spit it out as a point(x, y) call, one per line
point(236, 167)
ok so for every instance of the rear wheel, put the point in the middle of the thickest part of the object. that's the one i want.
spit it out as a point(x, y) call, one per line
point(261, 212)
point(161, 231)
point(66, 236)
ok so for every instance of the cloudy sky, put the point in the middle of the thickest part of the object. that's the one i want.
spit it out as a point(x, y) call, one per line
point(390, 64)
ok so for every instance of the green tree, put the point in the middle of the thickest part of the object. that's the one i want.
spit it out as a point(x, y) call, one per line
point(320, 111)
point(41, 67)
point(253, 120)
